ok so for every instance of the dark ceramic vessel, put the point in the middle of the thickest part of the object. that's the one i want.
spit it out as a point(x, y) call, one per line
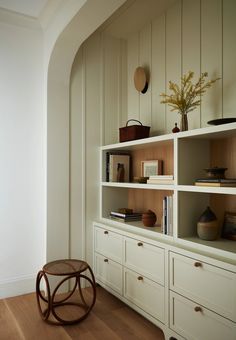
point(207, 226)
point(149, 218)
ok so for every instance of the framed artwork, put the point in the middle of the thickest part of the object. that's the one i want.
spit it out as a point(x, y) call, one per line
point(229, 226)
point(151, 168)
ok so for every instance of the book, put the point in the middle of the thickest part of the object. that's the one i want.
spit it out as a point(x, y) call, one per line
point(161, 177)
point(160, 181)
point(123, 215)
point(215, 184)
point(216, 180)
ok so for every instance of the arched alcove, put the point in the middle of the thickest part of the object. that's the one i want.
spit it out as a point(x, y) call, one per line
point(90, 16)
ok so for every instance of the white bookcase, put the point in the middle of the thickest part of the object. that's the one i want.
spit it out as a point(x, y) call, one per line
point(183, 254)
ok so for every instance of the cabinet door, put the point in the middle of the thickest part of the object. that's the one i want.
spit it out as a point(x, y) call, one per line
point(212, 287)
point(108, 272)
point(195, 322)
point(108, 244)
point(144, 293)
point(145, 258)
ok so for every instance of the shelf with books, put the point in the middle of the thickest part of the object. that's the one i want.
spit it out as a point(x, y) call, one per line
point(139, 200)
point(185, 156)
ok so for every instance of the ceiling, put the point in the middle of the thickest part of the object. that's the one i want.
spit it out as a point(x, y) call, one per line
point(31, 8)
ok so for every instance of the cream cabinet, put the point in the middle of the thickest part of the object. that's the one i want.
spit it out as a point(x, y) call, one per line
point(185, 285)
point(208, 285)
point(145, 293)
point(195, 322)
point(144, 258)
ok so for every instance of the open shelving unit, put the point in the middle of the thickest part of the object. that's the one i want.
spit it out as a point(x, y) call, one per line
point(185, 155)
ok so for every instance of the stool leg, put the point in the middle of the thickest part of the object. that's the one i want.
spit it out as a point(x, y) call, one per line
point(44, 314)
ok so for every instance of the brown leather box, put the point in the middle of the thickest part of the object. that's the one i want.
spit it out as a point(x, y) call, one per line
point(133, 132)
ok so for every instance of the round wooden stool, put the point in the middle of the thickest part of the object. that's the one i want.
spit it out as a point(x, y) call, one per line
point(71, 269)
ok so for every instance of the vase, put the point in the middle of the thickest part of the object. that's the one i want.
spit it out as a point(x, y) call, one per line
point(208, 226)
point(149, 218)
point(184, 122)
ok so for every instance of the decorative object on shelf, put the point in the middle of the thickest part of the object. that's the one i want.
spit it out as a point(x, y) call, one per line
point(133, 132)
point(141, 79)
point(229, 226)
point(151, 167)
point(149, 218)
point(215, 172)
point(125, 211)
point(161, 179)
point(221, 121)
point(208, 226)
point(175, 129)
point(120, 172)
point(126, 217)
point(140, 179)
point(216, 182)
point(187, 96)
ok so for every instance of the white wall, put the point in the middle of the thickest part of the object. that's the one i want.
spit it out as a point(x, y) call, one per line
point(22, 158)
point(191, 35)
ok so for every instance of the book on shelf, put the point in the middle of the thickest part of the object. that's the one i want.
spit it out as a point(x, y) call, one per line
point(113, 161)
point(161, 177)
point(216, 182)
point(126, 217)
point(167, 217)
point(160, 181)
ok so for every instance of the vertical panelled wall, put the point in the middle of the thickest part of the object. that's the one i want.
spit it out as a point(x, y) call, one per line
point(197, 35)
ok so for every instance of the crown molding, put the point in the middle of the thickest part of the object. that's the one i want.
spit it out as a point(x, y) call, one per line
point(17, 19)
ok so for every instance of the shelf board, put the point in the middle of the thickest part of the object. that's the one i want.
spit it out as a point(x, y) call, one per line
point(205, 189)
point(139, 185)
point(135, 144)
point(138, 226)
point(220, 244)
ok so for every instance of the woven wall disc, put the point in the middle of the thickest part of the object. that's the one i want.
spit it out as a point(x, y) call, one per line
point(140, 79)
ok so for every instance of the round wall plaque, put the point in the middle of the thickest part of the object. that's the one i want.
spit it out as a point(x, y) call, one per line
point(140, 80)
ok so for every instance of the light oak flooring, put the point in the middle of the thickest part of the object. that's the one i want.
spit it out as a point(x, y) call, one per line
point(110, 319)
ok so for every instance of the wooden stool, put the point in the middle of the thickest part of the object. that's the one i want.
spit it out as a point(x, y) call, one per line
point(70, 269)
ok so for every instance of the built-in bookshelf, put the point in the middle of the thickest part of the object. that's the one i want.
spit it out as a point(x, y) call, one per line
point(185, 155)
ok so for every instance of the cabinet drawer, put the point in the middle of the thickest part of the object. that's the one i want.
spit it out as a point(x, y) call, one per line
point(108, 244)
point(108, 272)
point(206, 284)
point(195, 322)
point(144, 293)
point(145, 258)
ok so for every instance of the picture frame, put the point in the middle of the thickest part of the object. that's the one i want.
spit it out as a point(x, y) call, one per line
point(115, 161)
point(229, 226)
point(151, 168)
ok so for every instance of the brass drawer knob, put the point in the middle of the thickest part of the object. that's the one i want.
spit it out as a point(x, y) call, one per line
point(105, 260)
point(140, 244)
point(140, 278)
point(105, 232)
point(198, 309)
point(197, 264)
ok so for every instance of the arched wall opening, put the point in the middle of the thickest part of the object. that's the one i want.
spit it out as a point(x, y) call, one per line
point(91, 15)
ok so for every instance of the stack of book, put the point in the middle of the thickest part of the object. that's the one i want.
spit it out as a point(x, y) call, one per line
point(161, 179)
point(167, 219)
point(124, 217)
point(216, 182)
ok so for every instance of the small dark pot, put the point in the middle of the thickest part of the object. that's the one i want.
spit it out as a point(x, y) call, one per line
point(149, 218)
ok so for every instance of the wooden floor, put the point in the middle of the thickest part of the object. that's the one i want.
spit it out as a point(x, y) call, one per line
point(110, 319)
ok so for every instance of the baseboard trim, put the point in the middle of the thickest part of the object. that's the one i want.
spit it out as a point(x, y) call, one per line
point(17, 286)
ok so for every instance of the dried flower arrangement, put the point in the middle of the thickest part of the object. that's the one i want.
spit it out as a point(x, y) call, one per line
point(187, 97)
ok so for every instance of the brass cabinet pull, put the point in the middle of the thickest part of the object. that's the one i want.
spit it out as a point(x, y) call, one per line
point(140, 244)
point(105, 260)
point(197, 264)
point(105, 232)
point(140, 278)
point(198, 309)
